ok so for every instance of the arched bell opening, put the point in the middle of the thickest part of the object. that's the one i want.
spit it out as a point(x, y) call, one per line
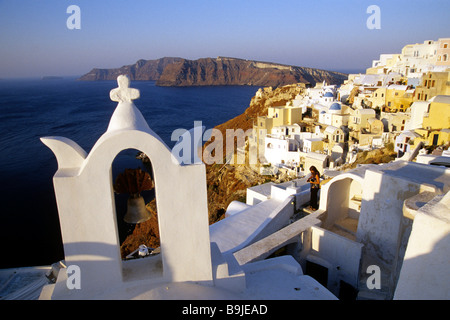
point(135, 202)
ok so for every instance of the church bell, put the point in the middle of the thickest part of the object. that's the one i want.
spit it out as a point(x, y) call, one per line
point(136, 211)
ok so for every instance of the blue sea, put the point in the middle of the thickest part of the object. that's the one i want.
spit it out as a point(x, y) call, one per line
point(34, 108)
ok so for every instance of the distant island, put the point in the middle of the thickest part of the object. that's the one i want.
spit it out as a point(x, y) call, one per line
point(51, 78)
point(170, 71)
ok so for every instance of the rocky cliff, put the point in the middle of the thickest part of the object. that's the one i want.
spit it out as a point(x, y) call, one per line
point(142, 70)
point(220, 71)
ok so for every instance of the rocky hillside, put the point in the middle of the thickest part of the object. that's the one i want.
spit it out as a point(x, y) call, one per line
point(220, 71)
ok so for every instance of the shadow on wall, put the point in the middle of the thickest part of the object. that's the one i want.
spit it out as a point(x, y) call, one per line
point(427, 271)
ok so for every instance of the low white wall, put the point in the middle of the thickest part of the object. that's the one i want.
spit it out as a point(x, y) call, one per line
point(259, 194)
point(300, 189)
point(278, 219)
point(302, 198)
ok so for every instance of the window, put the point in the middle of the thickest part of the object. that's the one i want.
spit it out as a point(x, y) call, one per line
point(445, 57)
point(445, 45)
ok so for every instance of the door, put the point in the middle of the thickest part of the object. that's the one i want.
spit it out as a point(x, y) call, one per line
point(435, 139)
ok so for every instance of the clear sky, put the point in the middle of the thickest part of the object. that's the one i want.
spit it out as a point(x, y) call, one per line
point(326, 34)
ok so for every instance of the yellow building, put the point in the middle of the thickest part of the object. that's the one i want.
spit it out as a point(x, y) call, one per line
point(359, 117)
point(433, 84)
point(398, 98)
point(276, 116)
point(393, 98)
point(394, 122)
point(378, 98)
point(284, 115)
point(438, 138)
point(436, 122)
point(432, 137)
point(438, 115)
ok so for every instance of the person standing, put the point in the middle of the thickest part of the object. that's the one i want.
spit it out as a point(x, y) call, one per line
point(314, 181)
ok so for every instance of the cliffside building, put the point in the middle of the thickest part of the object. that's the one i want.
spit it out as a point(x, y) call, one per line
point(433, 84)
point(276, 117)
point(335, 115)
point(415, 59)
point(434, 126)
point(393, 98)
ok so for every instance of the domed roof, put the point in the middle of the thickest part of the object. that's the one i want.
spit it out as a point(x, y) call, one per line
point(335, 106)
point(328, 94)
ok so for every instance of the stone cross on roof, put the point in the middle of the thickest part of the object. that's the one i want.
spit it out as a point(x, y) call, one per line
point(126, 115)
point(124, 93)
